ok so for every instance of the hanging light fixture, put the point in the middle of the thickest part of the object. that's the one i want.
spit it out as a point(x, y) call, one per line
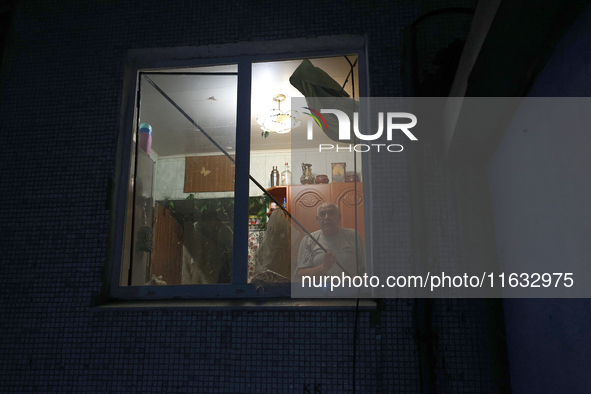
point(278, 122)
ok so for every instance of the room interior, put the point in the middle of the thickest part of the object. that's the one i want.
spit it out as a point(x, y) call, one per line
point(184, 172)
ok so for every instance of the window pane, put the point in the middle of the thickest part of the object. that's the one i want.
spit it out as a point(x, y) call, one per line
point(278, 141)
point(184, 185)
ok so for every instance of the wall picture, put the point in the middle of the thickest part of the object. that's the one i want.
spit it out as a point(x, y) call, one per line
point(338, 172)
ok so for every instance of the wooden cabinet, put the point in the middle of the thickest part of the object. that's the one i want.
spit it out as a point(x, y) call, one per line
point(346, 197)
point(281, 192)
point(305, 200)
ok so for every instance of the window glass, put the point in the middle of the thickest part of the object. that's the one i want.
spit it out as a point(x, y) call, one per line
point(293, 171)
point(181, 210)
point(184, 179)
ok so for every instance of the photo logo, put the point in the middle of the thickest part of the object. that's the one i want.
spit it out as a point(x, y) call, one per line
point(344, 123)
point(316, 116)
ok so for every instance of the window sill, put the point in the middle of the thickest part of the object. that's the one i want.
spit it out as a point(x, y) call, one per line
point(232, 304)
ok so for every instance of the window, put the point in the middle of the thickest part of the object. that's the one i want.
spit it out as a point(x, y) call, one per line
point(192, 220)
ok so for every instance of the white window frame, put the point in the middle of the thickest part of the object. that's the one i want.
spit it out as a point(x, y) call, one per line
point(244, 55)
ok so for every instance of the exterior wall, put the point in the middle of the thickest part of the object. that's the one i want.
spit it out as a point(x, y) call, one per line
point(62, 83)
point(539, 182)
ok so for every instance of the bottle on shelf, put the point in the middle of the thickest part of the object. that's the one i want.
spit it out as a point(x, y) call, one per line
point(286, 176)
point(274, 177)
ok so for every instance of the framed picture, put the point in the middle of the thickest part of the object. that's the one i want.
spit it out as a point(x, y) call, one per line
point(208, 174)
point(338, 172)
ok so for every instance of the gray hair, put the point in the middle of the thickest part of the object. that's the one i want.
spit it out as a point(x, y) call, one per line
point(328, 204)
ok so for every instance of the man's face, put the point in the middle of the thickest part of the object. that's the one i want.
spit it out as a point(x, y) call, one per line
point(328, 219)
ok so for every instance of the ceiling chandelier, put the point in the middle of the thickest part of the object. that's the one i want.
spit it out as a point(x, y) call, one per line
point(278, 122)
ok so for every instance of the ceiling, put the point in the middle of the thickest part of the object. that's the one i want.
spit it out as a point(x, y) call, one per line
point(211, 101)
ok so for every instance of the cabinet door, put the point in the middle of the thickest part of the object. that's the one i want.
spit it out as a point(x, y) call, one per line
point(167, 255)
point(343, 194)
point(305, 200)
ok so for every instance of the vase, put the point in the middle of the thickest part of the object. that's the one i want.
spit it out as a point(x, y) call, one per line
point(307, 178)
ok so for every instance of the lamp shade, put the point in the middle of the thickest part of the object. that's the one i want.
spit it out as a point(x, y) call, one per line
point(276, 121)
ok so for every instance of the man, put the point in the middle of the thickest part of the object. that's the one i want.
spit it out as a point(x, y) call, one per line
point(340, 243)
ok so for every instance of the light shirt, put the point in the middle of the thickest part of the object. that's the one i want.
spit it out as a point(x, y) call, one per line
point(342, 245)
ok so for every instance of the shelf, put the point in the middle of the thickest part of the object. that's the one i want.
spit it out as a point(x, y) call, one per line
point(279, 193)
point(280, 189)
